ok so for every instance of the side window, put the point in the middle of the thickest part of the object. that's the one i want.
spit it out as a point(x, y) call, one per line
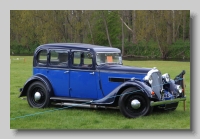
point(42, 58)
point(59, 58)
point(82, 59)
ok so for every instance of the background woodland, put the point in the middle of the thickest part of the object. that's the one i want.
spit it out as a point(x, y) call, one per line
point(149, 34)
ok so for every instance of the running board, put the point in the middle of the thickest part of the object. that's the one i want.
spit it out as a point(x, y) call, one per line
point(84, 105)
point(66, 99)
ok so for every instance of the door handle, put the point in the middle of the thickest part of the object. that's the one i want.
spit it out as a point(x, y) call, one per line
point(91, 72)
point(66, 72)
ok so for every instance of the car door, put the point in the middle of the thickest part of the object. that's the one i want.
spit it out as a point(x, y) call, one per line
point(58, 72)
point(82, 75)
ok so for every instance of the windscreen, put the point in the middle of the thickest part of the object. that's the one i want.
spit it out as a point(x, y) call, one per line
point(108, 58)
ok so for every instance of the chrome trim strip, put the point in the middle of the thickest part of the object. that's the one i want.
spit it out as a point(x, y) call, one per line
point(90, 70)
point(57, 68)
point(38, 67)
point(64, 68)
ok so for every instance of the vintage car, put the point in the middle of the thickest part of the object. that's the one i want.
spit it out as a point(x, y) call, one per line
point(92, 76)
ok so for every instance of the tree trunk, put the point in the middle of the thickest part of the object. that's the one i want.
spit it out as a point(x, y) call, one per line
point(155, 28)
point(173, 12)
point(106, 26)
point(129, 24)
point(79, 29)
point(169, 36)
point(90, 31)
point(184, 24)
point(134, 27)
point(122, 35)
point(89, 25)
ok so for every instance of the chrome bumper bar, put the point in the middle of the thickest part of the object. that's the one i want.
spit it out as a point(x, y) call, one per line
point(166, 101)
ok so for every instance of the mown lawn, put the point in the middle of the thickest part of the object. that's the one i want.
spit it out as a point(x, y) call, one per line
point(22, 116)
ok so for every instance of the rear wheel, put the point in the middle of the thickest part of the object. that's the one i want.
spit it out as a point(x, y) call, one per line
point(134, 103)
point(37, 95)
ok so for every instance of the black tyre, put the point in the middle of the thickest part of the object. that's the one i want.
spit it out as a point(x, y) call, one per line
point(37, 95)
point(134, 103)
point(175, 105)
point(166, 108)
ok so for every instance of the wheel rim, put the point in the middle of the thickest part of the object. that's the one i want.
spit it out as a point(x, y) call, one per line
point(136, 105)
point(37, 96)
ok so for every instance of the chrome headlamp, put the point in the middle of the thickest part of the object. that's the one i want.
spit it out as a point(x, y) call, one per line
point(166, 77)
point(179, 88)
point(148, 78)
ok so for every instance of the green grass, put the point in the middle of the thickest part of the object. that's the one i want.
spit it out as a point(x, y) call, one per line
point(22, 116)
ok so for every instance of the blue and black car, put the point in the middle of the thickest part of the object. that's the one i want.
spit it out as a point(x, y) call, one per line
point(92, 76)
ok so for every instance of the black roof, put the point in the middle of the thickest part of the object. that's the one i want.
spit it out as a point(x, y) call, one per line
point(78, 46)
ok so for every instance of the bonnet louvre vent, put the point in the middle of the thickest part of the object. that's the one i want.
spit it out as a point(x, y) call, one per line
point(118, 79)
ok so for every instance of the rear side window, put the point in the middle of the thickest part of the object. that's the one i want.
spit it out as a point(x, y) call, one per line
point(59, 58)
point(42, 58)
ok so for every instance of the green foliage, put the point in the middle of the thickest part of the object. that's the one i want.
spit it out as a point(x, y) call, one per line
point(146, 32)
point(16, 48)
point(178, 50)
point(113, 22)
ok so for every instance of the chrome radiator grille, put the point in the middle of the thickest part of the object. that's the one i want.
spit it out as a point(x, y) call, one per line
point(157, 84)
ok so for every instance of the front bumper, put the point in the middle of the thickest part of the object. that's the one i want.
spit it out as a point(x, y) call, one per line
point(166, 101)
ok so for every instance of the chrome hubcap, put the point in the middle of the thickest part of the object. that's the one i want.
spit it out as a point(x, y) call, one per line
point(135, 104)
point(37, 96)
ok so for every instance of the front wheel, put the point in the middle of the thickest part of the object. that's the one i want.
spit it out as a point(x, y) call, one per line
point(167, 107)
point(134, 103)
point(37, 95)
point(173, 106)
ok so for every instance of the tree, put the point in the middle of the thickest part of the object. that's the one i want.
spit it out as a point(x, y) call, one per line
point(122, 15)
point(106, 27)
point(146, 32)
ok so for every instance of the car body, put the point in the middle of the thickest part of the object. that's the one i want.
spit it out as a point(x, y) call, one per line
point(92, 76)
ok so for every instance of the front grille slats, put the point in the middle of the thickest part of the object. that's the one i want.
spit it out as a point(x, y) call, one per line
point(157, 83)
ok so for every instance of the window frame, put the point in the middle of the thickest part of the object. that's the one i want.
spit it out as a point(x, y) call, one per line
point(41, 64)
point(82, 67)
point(103, 52)
point(59, 66)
